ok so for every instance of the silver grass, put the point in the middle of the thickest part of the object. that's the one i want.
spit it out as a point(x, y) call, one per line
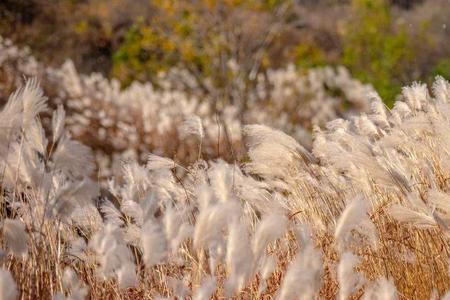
point(378, 111)
point(155, 162)
point(73, 157)
point(11, 114)
point(239, 258)
point(365, 126)
point(446, 296)
point(58, 118)
point(111, 214)
point(440, 201)
point(178, 288)
point(132, 234)
point(154, 244)
point(256, 194)
point(212, 220)
point(176, 229)
point(111, 250)
point(434, 295)
point(206, 289)
point(399, 178)
point(59, 296)
point(260, 136)
point(402, 110)
point(30, 169)
point(114, 259)
point(136, 179)
point(416, 218)
point(69, 278)
point(192, 126)
point(337, 125)
point(159, 297)
point(151, 203)
point(387, 149)
point(416, 96)
point(441, 90)
point(267, 266)
point(349, 280)
point(417, 203)
point(217, 252)
point(222, 177)
point(354, 217)
point(33, 101)
point(133, 210)
point(302, 279)
point(35, 136)
point(126, 275)
point(70, 196)
point(15, 236)
point(72, 283)
point(77, 249)
point(271, 161)
point(8, 287)
point(270, 228)
point(382, 289)
point(87, 217)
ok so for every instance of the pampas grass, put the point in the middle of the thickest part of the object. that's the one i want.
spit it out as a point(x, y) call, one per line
point(8, 288)
point(362, 212)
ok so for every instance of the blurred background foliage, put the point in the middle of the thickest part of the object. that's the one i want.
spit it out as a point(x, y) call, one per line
point(227, 44)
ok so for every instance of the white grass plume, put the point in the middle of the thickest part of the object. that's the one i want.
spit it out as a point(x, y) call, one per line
point(72, 283)
point(349, 280)
point(354, 216)
point(58, 119)
point(267, 266)
point(418, 219)
point(192, 126)
point(446, 296)
point(440, 200)
point(416, 96)
point(8, 287)
point(261, 136)
point(33, 101)
point(112, 252)
point(73, 157)
point(270, 228)
point(127, 276)
point(382, 289)
point(212, 220)
point(239, 258)
point(441, 90)
point(11, 114)
point(35, 136)
point(154, 244)
point(111, 214)
point(156, 162)
point(178, 287)
point(303, 277)
point(134, 210)
point(15, 236)
point(176, 229)
point(206, 290)
point(222, 177)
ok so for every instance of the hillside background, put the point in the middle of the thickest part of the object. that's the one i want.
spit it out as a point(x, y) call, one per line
point(385, 43)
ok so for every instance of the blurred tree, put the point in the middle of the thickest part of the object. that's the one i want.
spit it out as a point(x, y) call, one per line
point(223, 44)
point(86, 31)
point(442, 68)
point(20, 10)
point(407, 4)
point(374, 51)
